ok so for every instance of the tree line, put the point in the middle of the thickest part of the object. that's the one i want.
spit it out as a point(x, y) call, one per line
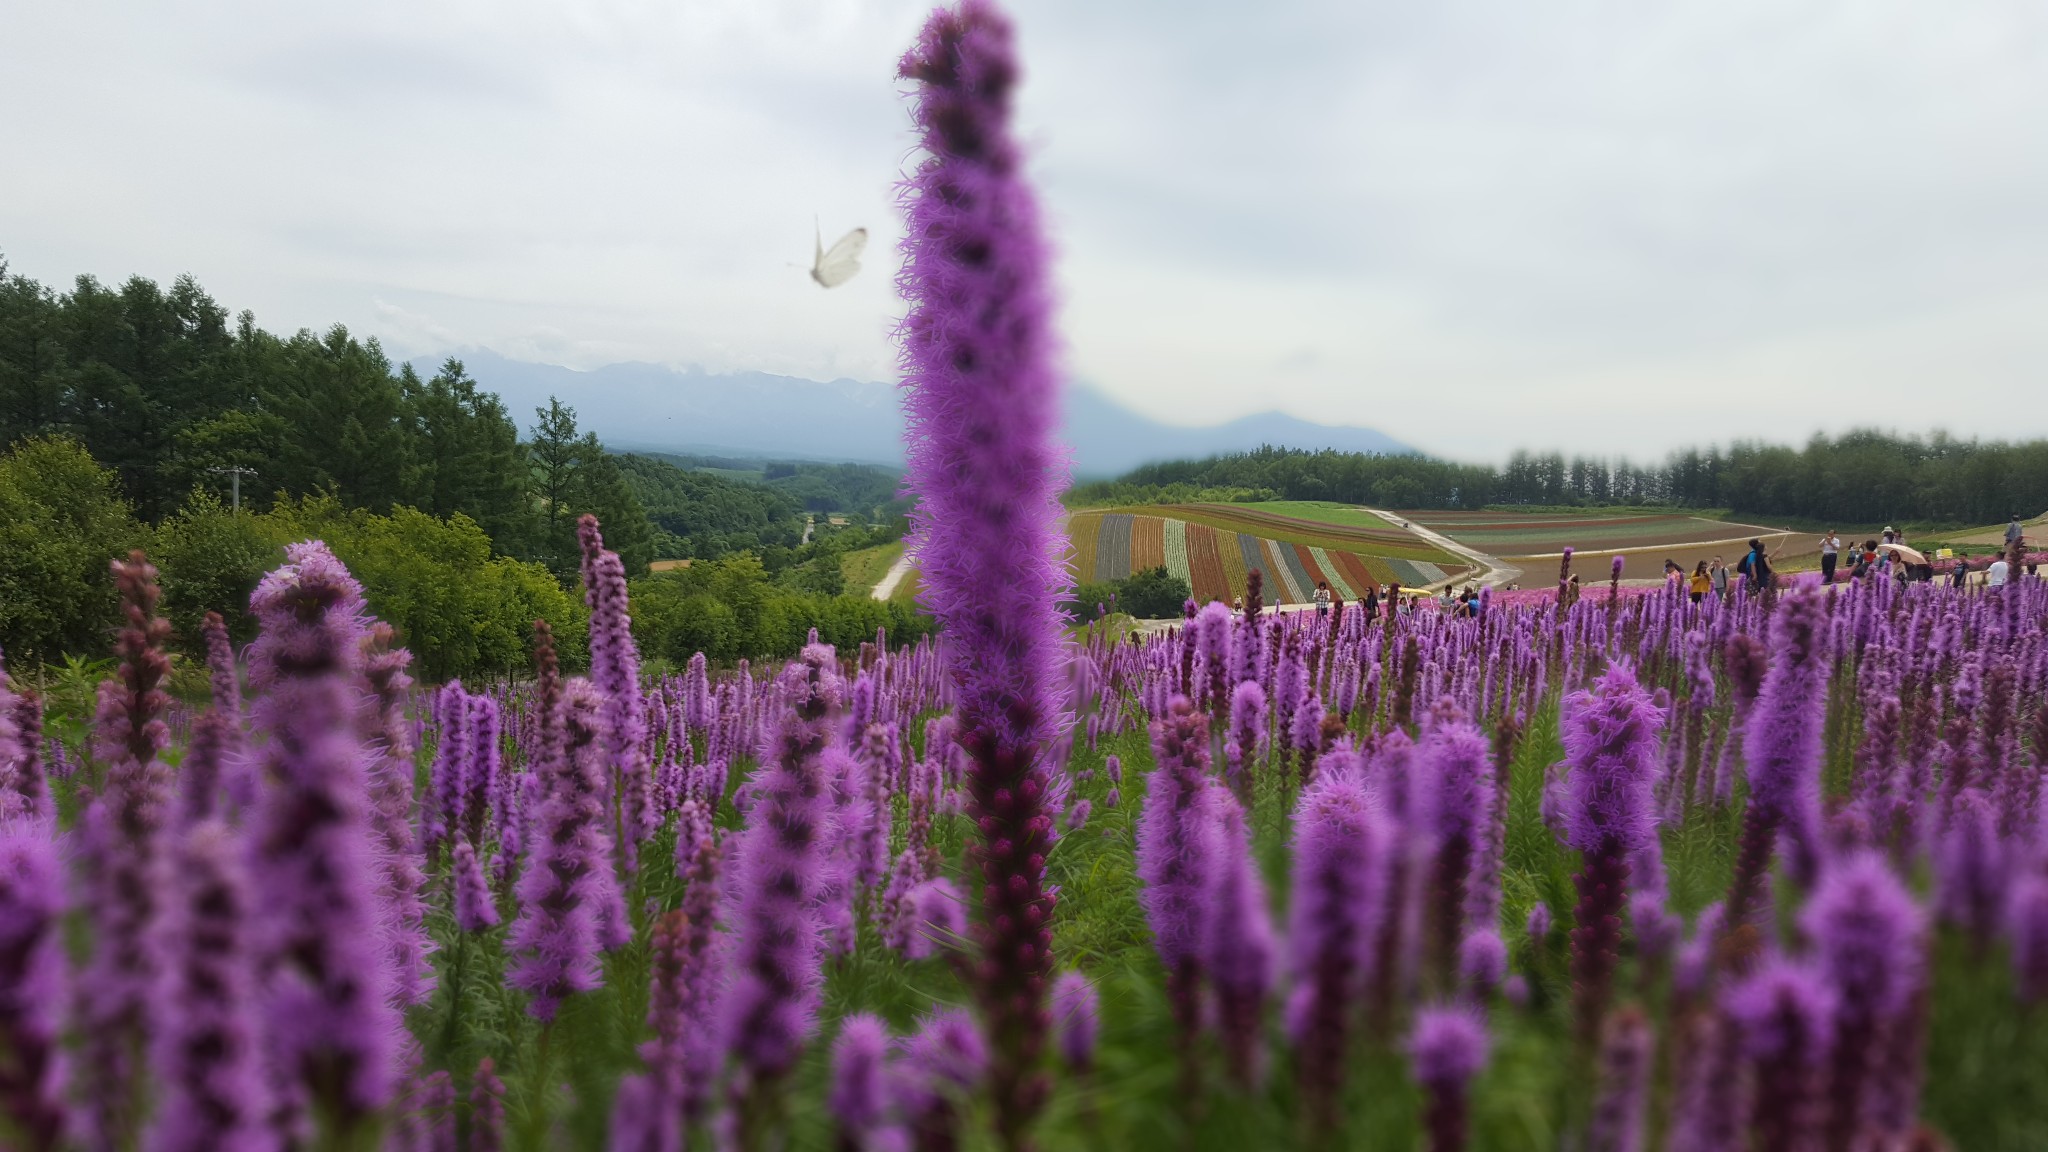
point(1859, 477)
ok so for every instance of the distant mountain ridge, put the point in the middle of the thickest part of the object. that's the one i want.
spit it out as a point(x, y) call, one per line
point(650, 407)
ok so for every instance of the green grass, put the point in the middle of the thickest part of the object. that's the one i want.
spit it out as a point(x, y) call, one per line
point(865, 568)
point(1327, 512)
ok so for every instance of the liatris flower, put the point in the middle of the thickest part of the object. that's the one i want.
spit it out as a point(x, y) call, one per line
point(1610, 741)
point(31, 983)
point(486, 1109)
point(123, 834)
point(859, 1098)
point(447, 776)
point(1868, 936)
point(985, 469)
point(1113, 767)
point(388, 736)
point(1972, 867)
point(1238, 953)
point(932, 916)
point(1482, 961)
point(942, 1064)
point(1447, 1049)
point(27, 778)
point(1539, 923)
point(1176, 854)
point(325, 971)
point(778, 947)
point(1247, 734)
point(1341, 850)
point(1623, 1103)
point(1112, 798)
point(555, 940)
point(1076, 1020)
point(687, 977)
point(1458, 768)
point(475, 909)
point(642, 1120)
point(1077, 816)
point(427, 1120)
point(486, 762)
point(1782, 746)
point(2027, 927)
point(209, 1057)
point(615, 668)
point(1784, 1015)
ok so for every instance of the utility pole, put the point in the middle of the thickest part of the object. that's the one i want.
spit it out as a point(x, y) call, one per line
point(237, 472)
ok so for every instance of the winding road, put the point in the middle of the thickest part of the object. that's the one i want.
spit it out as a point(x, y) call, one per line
point(1494, 574)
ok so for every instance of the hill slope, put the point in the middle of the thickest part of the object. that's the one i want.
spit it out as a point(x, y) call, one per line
point(649, 407)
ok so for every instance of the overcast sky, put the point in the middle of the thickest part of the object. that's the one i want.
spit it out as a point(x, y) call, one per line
point(1474, 224)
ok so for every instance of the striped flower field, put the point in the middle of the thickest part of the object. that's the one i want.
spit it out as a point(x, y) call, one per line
point(1216, 560)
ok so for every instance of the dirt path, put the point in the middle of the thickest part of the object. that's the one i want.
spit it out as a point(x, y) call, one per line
point(886, 587)
point(1494, 572)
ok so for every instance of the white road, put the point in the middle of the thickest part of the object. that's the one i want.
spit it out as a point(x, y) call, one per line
point(1493, 572)
point(894, 576)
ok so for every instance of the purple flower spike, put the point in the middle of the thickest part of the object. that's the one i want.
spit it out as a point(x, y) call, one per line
point(1175, 853)
point(934, 918)
point(567, 886)
point(1869, 937)
point(772, 1004)
point(1622, 1103)
point(2027, 925)
point(1076, 1019)
point(1482, 961)
point(475, 910)
point(1539, 923)
point(1239, 952)
point(1610, 741)
point(1783, 1014)
point(1782, 746)
point(486, 1109)
point(1342, 847)
point(329, 1013)
point(615, 668)
point(31, 982)
point(982, 416)
point(209, 1059)
point(860, 1092)
point(1447, 1050)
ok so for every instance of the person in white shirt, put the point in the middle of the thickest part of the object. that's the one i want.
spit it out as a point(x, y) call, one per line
point(1830, 549)
point(1995, 576)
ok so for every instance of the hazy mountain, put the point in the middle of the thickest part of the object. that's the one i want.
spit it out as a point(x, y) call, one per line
point(654, 408)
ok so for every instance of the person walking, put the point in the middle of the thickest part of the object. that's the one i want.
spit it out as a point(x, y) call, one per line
point(1756, 567)
point(1322, 598)
point(2014, 533)
point(1702, 582)
point(1718, 573)
point(1830, 548)
point(1996, 575)
point(1372, 603)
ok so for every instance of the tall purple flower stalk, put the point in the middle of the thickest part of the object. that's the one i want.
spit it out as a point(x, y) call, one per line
point(31, 983)
point(1610, 742)
point(325, 975)
point(1176, 858)
point(1447, 1050)
point(615, 667)
point(982, 462)
point(388, 736)
point(1239, 949)
point(209, 1054)
point(1076, 1019)
point(567, 888)
point(859, 1097)
point(1621, 1106)
point(1459, 776)
point(1784, 1017)
point(1782, 745)
point(123, 846)
point(1868, 938)
point(772, 1004)
point(1342, 848)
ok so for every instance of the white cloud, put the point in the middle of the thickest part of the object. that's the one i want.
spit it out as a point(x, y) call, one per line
point(1476, 224)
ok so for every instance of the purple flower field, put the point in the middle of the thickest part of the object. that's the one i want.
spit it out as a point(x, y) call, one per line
point(1610, 873)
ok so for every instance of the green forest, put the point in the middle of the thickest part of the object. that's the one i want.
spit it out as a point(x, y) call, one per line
point(136, 416)
point(1860, 477)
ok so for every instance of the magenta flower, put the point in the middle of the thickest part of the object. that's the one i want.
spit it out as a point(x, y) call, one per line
point(1783, 1014)
point(1447, 1049)
point(1610, 741)
point(772, 1004)
point(984, 466)
point(1176, 853)
point(1621, 1104)
point(209, 1056)
point(1869, 937)
point(1782, 745)
point(326, 974)
point(1239, 950)
point(567, 887)
point(1342, 850)
point(1076, 1019)
point(475, 909)
point(615, 668)
point(31, 983)
point(859, 1097)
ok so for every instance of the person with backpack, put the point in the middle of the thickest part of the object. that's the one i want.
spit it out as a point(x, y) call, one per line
point(1756, 567)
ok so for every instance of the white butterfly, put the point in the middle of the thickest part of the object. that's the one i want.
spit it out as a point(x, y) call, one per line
point(836, 265)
